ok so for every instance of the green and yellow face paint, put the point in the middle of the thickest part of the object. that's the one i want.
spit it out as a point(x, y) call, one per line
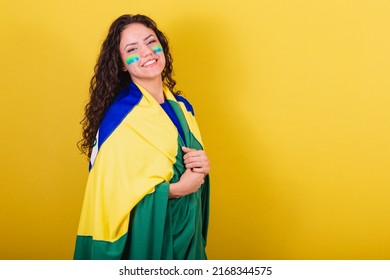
point(157, 49)
point(131, 59)
point(135, 57)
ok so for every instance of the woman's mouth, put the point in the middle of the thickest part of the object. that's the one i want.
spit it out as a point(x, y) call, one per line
point(149, 62)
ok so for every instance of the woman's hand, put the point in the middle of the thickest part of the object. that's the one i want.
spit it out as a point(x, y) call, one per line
point(196, 160)
point(197, 167)
point(189, 183)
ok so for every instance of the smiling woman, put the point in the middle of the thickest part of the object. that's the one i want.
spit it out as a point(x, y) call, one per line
point(139, 49)
point(147, 195)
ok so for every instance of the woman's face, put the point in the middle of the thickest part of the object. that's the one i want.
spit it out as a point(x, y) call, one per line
point(141, 53)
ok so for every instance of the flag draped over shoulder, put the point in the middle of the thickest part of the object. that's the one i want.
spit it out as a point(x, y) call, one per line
point(126, 212)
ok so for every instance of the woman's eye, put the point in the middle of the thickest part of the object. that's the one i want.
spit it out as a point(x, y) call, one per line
point(131, 50)
point(152, 42)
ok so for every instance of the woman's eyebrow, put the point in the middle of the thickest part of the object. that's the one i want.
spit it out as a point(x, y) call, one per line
point(130, 44)
point(135, 43)
point(147, 37)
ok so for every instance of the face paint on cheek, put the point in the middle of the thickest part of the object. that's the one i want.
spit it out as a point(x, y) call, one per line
point(132, 59)
point(157, 49)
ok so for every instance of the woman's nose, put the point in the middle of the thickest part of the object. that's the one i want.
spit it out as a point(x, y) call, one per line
point(146, 51)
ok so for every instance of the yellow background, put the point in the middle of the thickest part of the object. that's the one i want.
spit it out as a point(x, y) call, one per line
point(293, 102)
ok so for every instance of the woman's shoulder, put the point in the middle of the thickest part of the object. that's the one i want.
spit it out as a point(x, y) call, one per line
point(187, 104)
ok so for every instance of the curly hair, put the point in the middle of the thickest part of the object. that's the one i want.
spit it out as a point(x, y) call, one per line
point(109, 79)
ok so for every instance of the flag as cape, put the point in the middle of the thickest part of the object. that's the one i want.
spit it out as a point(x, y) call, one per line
point(126, 212)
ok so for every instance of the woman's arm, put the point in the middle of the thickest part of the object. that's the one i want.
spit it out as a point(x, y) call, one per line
point(189, 183)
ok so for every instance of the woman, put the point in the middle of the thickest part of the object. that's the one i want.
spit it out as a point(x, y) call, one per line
point(147, 195)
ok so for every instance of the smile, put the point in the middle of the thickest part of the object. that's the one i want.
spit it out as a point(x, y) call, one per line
point(150, 62)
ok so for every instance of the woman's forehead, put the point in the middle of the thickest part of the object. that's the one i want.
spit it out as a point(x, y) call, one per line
point(137, 32)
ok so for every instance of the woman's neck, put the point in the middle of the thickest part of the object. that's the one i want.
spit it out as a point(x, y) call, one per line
point(155, 88)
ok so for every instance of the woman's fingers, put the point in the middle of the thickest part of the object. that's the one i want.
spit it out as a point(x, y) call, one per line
point(193, 155)
point(196, 160)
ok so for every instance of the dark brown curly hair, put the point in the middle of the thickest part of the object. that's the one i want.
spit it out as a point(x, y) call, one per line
point(109, 79)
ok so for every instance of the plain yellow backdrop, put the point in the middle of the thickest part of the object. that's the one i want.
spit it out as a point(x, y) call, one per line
point(293, 102)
